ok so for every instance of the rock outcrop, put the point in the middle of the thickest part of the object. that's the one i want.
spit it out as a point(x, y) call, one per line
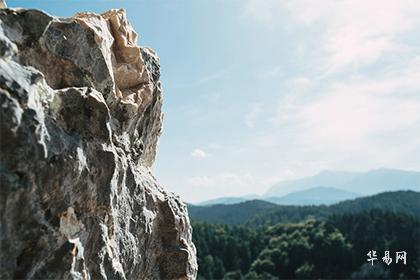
point(80, 117)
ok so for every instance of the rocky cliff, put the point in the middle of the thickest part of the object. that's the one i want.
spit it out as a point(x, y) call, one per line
point(80, 117)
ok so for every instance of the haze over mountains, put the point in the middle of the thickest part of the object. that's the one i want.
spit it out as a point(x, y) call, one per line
point(330, 187)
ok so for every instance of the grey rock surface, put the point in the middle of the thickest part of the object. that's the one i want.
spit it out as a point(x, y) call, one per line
point(80, 117)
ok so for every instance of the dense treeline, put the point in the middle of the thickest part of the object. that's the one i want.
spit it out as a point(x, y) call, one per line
point(223, 248)
point(380, 231)
point(406, 202)
point(232, 214)
point(335, 247)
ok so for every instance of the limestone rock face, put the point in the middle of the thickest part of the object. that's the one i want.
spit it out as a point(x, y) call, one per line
point(80, 117)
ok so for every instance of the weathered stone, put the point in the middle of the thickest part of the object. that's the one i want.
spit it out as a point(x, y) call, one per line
point(80, 117)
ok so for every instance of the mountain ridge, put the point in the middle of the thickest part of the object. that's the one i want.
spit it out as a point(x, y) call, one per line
point(357, 183)
point(258, 212)
point(313, 196)
point(367, 183)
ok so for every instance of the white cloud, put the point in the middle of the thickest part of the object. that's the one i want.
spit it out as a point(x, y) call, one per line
point(374, 119)
point(348, 119)
point(361, 32)
point(399, 81)
point(261, 11)
point(252, 115)
point(231, 184)
point(355, 33)
point(301, 84)
point(198, 153)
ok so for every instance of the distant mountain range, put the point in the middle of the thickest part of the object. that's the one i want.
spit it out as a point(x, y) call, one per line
point(330, 187)
point(365, 183)
point(313, 196)
point(230, 200)
point(258, 212)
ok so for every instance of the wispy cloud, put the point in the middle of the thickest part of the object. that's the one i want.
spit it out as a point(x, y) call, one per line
point(357, 100)
point(349, 119)
point(274, 73)
point(251, 117)
point(360, 117)
point(260, 11)
point(355, 33)
point(203, 80)
point(360, 33)
point(232, 184)
point(199, 153)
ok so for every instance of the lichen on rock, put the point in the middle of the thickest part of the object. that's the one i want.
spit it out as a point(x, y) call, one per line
point(80, 118)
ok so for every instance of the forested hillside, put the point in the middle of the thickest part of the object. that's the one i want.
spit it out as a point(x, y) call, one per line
point(232, 214)
point(333, 248)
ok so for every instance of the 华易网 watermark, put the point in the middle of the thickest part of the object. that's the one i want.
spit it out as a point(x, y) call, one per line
point(387, 259)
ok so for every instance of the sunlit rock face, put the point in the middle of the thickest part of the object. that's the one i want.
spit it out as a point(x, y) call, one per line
point(80, 117)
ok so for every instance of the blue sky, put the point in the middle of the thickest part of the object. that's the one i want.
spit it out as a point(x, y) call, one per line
point(256, 92)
